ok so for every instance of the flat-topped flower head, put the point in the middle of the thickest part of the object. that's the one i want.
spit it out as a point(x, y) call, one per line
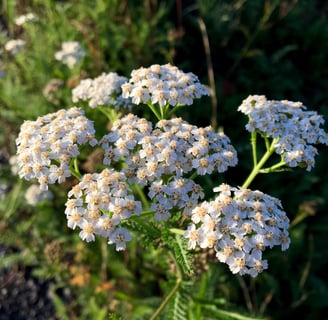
point(295, 129)
point(104, 90)
point(46, 146)
point(173, 148)
point(163, 85)
point(98, 204)
point(70, 54)
point(239, 224)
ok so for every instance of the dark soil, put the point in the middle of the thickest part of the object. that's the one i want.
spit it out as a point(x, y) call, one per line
point(22, 296)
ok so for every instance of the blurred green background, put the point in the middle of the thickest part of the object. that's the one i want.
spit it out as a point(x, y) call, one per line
point(239, 47)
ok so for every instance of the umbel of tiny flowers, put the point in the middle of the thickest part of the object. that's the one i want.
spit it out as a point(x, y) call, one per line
point(239, 224)
point(105, 93)
point(47, 147)
point(173, 148)
point(98, 204)
point(166, 158)
point(70, 54)
point(162, 87)
point(288, 130)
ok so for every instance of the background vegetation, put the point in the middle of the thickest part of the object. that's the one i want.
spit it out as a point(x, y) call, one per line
point(275, 48)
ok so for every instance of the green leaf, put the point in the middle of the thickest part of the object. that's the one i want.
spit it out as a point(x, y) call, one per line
point(183, 255)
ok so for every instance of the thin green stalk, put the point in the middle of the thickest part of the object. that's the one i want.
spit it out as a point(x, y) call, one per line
point(74, 167)
point(193, 176)
point(267, 143)
point(111, 114)
point(142, 196)
point(274, 167)
point(254, 149)
point(259, 165)
point(171, 293)
point(167, 299)
point(174, 109)
point(177, 231)
point(154, 110)
point(161, 109)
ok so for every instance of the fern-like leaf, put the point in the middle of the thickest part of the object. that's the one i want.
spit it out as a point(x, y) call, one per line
point(183, 255)
point(178, 308)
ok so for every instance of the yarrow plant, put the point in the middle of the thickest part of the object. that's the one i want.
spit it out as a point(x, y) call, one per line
point(70, 54)
point(47, 147)
point(147, 178)
point(25, 18)
point(292, 129)
point(14, 46)
point(104, 92)
point(162, 87)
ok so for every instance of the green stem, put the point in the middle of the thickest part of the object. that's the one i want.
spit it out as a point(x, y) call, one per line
point(274, 167)
point(167, 299)
point(111, 114)
point(253, 144)
point(142, 196)
point(174, 109)
point(259, 165)
point(177, 231)
point(193, 176)
point(74, 167)
point(154, 110)
point(171, 293)
point(267, 143)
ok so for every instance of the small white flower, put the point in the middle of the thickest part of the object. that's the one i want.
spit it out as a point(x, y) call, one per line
point(14, 46)
point(25, 18)
point(34, 195)
point(70, 54)
point(192, 234)
point(162, 210)
point(119, 236)
point(87, 232)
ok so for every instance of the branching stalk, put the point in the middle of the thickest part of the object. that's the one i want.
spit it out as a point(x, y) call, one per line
point(257, 168)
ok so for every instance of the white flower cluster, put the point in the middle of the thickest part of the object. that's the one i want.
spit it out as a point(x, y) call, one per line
point(177, 195)
point(239, 224)
point(104, 90)
point(35, 195)
point(98, 204)
point(163, 85)
point(14, 46)
point(25, 18)
point(297, 130)
point(46, 146)
point(70, 54)
point(172, 148)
